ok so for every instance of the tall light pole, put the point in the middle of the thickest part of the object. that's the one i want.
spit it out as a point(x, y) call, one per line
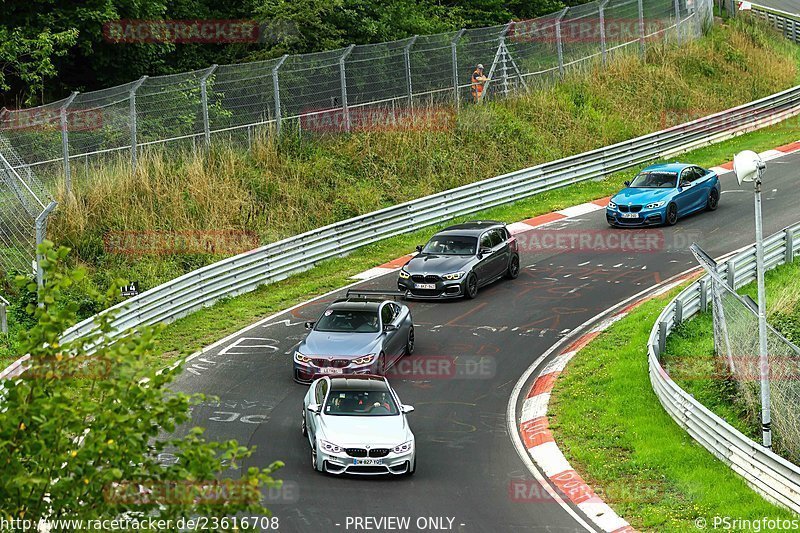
point(748, 166)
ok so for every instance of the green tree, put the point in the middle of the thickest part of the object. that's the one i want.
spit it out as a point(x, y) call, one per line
point(81, 430)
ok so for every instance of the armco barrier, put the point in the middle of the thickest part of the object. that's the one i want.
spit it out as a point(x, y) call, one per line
point(787, 23)
point(276, 261)
point(772, 476)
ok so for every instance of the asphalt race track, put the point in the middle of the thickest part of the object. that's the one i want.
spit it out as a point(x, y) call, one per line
point(790, 6)
point(465, 458)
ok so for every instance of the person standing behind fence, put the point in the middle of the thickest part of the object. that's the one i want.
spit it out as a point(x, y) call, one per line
point(478, 79)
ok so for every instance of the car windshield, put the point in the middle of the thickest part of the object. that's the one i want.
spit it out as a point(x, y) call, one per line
point(348, 321)
point(451, 245)
point(655, 180)
point(360, 403)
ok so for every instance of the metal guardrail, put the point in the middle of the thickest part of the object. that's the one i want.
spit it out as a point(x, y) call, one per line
point(769, 474)
point(276, 261)
point(787, 23)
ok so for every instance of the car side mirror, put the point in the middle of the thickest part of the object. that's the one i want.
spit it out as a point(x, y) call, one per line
point(407, 409)
point(627, 183)
point(313, 408)
point(389, 327)
point(310, 325)
point(484, 251)
point(419, 248)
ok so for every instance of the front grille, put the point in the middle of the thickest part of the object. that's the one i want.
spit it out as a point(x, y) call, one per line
point(335, 363)
point(430, 278)
point(379, 452)
point(356, 452)
point(629, 208)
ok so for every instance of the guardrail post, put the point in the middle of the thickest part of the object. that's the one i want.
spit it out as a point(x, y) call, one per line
point(277, 90)
point(662, 337)
point(343, 81)
point(678, 311)
point(789, 240)
point(677, 20)
point(641, 27)
point(601, 9)
point(132, 118)
point(703, 295)
point(453, 43)
point(204, 103)
point(559, 43)
point(731, 274)
point(65, 142)
point(407, 58)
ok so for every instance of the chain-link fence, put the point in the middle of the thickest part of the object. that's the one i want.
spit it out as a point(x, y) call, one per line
point(331, 90)
point(737, 347)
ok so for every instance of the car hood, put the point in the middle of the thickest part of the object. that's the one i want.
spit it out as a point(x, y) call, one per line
point(437, 264)
point(387, 431)
point(631, 195)
point(348, 344)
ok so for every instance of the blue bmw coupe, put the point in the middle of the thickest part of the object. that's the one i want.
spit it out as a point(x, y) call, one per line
point(661, 194)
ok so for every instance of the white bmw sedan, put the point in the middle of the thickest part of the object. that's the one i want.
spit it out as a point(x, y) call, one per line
point(357, 425)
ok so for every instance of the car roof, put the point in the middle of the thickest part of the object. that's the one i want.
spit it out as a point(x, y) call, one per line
point(472, 228)
point(667, 167)
point(356, 305)
point(363, 382)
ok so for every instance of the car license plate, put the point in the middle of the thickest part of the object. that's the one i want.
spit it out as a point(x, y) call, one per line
point(330, 370)
point(367, 461)
point(424, 285)
point(629, 215)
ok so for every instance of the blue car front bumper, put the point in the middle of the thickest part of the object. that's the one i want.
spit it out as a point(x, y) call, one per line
point(644, 217)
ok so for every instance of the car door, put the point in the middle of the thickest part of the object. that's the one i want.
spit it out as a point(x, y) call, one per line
point(390, 338)
point(702, 185)
point(483, 268)
point(320, 392)
point(501, 251)
point(686, 196)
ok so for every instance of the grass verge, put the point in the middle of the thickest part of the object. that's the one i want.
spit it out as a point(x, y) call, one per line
point(610, 425)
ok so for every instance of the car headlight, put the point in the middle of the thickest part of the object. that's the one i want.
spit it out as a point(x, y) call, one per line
point(403, 448)
point(404, 274)
point(612, 205)
point(330, 447)
point(364, 359)
point(300, 358)
point(454, 275)
point(654, 205)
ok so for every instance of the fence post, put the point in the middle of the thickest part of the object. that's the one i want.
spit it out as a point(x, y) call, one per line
point(204, 103)
point(3, 316)
point(132, 118)
point(277, 90)
point(731, 274)
point(453, 44)
point(559, 43)
point(603, 47)
point(703, 295)
point(343, 81)
point(678, 20)
point(65, 142)
point(41, 231)
point(407, 57)
point(789, 240)
point(641, 27)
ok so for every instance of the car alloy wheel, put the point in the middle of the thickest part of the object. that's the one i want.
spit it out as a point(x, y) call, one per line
point(303, 425)
point(314, 457)
point(713, 200)
point(672, 214)
point(513, 267)
point(472, 286)
point(410, 341)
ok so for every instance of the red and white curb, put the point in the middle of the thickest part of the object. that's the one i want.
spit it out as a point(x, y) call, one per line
point(538, 440)
point(766, 156)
